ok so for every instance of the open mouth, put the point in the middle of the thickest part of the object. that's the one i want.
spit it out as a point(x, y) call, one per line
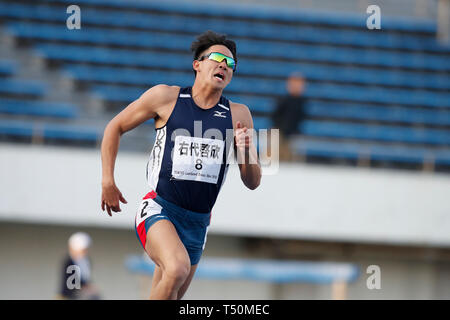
point(219, 76)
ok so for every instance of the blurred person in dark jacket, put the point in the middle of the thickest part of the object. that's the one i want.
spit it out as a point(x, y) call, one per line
point(289, 113)
point(76, 278)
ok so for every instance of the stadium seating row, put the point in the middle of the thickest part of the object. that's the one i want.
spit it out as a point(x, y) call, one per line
point(237, 28)
point(355, 151)
point(255, 48)
point(376, 132)
point(246, 66)
point(261, 12)
point(7, 68)
point(381, 114)
point(38, 108)
point(47, 130)
point(22, 87)
point(147, 78)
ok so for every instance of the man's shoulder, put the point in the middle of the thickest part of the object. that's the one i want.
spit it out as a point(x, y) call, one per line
point(241, 112)
point(166, 87)
point(159, 97)
point(238, 107)
point(163, 92)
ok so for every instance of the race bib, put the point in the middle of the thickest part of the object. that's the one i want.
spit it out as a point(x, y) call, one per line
point(197, 159)
point(147, 208)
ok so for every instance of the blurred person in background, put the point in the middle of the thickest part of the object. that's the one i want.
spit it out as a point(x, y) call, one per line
point(289, 114)
point(76, 278)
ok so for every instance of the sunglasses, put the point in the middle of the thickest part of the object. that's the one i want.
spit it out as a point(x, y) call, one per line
point(218, 57)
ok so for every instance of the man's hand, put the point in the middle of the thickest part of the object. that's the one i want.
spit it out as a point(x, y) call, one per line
point(111, 196)
point(243, 139)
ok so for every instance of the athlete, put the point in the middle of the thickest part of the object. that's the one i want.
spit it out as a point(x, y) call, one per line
point(188, 163)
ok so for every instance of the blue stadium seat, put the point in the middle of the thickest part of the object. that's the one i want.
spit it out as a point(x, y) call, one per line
point(375, 132)
point(72, 132)
point(50, 130)
point(7, 68)
point(22, 87)
point(36, 108)
point(16, 128)
point(388, 114)
point(261, 123)
point(354, 151)
point(117, 94)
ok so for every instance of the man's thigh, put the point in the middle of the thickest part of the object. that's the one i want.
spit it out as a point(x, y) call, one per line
point(163, 245)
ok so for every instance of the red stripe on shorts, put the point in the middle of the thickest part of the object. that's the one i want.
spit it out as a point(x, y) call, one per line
point(150, 195)
point(141, 233)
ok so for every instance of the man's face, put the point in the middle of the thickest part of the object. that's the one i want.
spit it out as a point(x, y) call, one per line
point(217, 74)
point(295, 86)
point(77, 253)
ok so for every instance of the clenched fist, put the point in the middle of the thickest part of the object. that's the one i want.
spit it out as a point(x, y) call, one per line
point(243, 138)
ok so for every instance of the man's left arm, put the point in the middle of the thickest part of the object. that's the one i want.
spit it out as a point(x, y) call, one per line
point(246, 152)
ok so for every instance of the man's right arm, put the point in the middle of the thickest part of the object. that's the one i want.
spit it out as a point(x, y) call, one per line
point(148, 106)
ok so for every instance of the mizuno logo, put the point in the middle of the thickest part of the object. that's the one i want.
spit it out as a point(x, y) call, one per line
point(219, 114)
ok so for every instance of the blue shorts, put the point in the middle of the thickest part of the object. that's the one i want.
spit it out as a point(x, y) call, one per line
point(192, 227)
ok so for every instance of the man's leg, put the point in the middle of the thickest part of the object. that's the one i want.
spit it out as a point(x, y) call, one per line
point(186, 284)
point(157, 274)
point(157, 277)
point(168, 252)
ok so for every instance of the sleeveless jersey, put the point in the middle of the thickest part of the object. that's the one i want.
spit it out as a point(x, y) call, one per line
point(188, 163)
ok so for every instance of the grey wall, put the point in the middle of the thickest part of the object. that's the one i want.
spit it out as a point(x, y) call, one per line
point(298, 201)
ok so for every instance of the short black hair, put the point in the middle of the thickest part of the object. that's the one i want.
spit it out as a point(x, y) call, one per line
point(210, 38)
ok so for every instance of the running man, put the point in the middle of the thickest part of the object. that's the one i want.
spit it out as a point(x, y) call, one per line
point(188, 163)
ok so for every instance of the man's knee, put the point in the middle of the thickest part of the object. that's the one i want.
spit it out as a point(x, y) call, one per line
point(177, 271)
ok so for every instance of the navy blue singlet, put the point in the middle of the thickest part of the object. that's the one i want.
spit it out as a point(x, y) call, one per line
point(188, 162)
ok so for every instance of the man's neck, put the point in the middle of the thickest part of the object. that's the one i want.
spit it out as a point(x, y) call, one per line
point(205, 96)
